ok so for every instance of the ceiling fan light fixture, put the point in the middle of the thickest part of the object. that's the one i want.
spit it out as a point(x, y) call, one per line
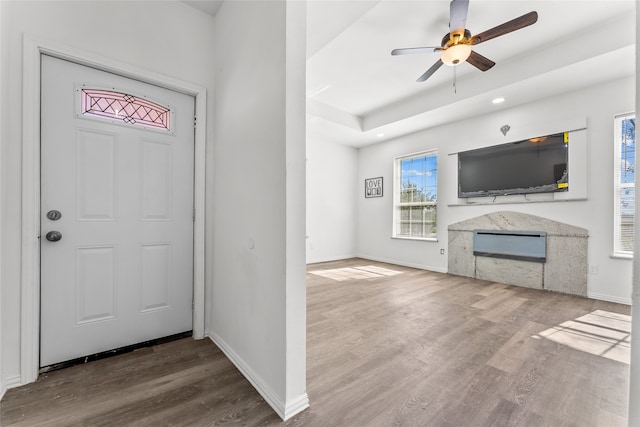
point(456, 54)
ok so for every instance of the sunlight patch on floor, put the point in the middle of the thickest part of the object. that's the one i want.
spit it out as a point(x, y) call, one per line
point(601, 332)
point(355, 273)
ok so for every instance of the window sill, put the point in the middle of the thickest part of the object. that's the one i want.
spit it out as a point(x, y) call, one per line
point(423, 239)
point(621, 256)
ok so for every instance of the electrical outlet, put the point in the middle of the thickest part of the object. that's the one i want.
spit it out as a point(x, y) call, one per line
point(593, 269)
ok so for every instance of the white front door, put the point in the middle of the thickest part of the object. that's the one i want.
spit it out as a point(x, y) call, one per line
point(117, 160)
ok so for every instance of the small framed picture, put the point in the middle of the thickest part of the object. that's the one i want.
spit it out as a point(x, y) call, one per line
point(373, 187)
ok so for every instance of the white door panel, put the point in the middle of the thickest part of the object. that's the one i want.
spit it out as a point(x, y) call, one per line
point(122, 272)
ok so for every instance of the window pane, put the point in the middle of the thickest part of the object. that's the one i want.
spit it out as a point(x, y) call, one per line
point(627, 201)
point(627, 210)
point(405, 194)
point(404, 229)
point(406, 167)
point(627, 150)
point(416, 213)
point(624, 196)
point(122, 107)
point(404, 213)
point(415, 186)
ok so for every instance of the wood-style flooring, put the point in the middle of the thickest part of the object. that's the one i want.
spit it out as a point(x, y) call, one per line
point(386, 346)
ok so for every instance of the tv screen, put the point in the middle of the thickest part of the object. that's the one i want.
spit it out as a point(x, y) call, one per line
point(536, 165)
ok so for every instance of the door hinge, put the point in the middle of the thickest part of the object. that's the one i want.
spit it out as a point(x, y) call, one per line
point(194, 214)
point(195, 121)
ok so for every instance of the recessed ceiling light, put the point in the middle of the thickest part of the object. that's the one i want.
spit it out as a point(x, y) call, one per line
point(498, 100)
point(380, 135)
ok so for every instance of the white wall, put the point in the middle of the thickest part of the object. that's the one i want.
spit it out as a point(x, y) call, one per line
point(164, 37)
point(296, 399)
point(598, 104)
point(332, 201)
point(257, 301)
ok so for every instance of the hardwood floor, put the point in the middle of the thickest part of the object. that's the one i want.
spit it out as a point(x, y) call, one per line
point(386, 346)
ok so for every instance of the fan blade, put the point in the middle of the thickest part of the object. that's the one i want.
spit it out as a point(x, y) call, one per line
point(430, 71)
point(414, 50)
point(458, 18)
point(513, 25)
point(480, 62)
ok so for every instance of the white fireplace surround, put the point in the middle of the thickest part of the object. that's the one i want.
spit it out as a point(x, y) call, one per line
point(565, 269)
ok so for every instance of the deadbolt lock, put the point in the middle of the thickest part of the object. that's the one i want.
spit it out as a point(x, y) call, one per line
point(54, 215)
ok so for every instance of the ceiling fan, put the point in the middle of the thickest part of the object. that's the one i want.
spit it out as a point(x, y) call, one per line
point(456, 44)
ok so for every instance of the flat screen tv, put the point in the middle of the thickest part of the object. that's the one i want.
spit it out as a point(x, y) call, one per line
point(536, 165)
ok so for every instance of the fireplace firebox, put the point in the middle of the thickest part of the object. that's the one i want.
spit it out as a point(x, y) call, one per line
point(521, 245)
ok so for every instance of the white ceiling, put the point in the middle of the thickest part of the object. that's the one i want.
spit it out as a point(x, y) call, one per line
point(357, 90)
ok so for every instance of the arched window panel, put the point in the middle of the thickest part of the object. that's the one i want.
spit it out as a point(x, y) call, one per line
point(120, 107)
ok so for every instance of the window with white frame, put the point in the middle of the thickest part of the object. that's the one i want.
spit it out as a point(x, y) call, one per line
point(415, 195)
point(624, 183)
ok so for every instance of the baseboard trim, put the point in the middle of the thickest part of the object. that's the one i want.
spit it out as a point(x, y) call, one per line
point(329, 259)
point(404, 264)
point(609, 298)
point(285, 410)
point(295, 406)
point(11, 382)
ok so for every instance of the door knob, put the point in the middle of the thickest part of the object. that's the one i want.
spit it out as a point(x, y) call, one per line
point(53, 236)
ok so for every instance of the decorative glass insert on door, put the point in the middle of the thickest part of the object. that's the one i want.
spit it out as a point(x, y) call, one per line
point(122, 107)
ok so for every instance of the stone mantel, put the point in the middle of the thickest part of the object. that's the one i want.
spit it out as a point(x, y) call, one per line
point(564, 271)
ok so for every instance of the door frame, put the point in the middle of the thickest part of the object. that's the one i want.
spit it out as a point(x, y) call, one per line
point(33, 49)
